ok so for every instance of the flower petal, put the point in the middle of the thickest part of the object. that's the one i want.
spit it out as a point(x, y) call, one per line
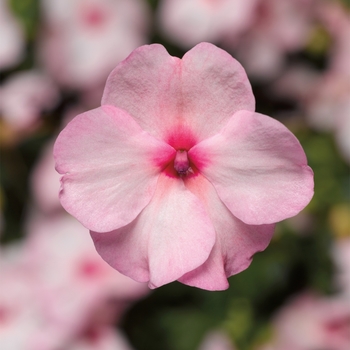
point(235, 245)
point(197, 94)
point(172, 235)
point(257, 167)
point(110, 168)
point(214, 87)
point(147, 85)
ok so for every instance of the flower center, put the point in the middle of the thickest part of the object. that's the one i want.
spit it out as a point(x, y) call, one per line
point(182, 163)
point(4, 314)
point(93, 16)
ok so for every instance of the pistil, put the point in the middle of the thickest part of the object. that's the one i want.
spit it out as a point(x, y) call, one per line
point(182, 163)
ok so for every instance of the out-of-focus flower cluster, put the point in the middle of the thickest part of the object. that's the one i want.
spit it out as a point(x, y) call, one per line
point(55, 290)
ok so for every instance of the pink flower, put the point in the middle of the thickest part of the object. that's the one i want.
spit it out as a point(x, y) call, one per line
point(24, 96)
point(22, 317)
point(189, 22)
point(85, 39)
point(328, 105)
point(175, 174)
point(46, 306)
point(102, 338)
point(280, 27)
point(310, 322)
point(74, 282)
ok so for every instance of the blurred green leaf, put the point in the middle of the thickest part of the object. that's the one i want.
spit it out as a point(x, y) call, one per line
point(27, 12)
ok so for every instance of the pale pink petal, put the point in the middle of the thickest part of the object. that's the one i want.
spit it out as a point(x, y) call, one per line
point(214, 87)
point(147, 86)
point(172, 235)
point(195, 96)
point(235, 245)
point(110, 168)
point(257, 167)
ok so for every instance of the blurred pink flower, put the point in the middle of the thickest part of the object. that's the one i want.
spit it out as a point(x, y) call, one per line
point(73, 268)
point(11, 37)
point(54, 292)
point(175, 174)
point(328, 108)
point(216, 340)
point(311, 322)
point(77, 291)
point(106, 338)
point(85, 39)
point(188, 22)
point(328, 105)
point(324, 96)
point(22, 317)
point(24, 96)
point(279, 27)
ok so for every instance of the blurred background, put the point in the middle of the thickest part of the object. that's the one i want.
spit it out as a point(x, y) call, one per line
point(57, 293)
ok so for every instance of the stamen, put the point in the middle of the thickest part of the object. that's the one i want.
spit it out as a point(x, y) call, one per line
point(181, 163)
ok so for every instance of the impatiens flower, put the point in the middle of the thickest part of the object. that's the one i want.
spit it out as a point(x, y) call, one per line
point(175, 175)
point(188, 22)
point(107, 338)
point(309, 322)
point(85, 39)
point(328, 105)
point(76, 287)
point(24, 96)
point(57, 293)
point(22, 317)
point(280, 27)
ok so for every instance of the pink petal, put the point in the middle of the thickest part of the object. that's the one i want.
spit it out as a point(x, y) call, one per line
point(196, 95)
point(257, 167)
point(147, 86)
point(235, 245)
point(214, 87)
point(172, 236)
point(110, 168)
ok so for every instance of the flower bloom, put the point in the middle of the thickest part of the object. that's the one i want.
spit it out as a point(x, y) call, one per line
point(188, 22)
point(24, 96)
point(280, 27)
point(85, 39)
point(310, 321)
point(175, 175)
point(57, 293)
